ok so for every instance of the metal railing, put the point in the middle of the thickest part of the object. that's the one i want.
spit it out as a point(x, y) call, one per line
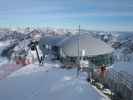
point(121, 83)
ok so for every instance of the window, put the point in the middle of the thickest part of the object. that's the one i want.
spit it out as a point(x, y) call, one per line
point(102, 59)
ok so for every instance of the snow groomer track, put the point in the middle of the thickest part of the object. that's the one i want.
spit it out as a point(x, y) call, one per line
point(7, 69)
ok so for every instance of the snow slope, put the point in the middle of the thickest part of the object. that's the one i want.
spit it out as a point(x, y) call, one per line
point(7, 69)
point(124, 66)
point(34, 68)
point(47, 83)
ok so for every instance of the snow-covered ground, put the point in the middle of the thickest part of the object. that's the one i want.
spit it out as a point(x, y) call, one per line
point(48, 82)
point(34, 68)
point(123, 67)
point(4, 43)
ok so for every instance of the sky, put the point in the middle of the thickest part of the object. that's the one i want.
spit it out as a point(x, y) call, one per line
point(112, 15)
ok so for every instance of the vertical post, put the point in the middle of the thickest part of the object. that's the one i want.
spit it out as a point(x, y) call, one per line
point(37, 55)
point(78, 40)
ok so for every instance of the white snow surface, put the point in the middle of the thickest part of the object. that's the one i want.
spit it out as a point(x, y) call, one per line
point(124, 66)
point(33, 68)
point(4, 43)
point(48, 82)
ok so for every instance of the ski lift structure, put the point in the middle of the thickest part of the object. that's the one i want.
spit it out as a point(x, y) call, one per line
point(22, 58)
point(33, 46)
point(25, 57)
point(23, 52)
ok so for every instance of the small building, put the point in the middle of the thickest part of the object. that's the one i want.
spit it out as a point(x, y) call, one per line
point(88, 48)
point(83, 47)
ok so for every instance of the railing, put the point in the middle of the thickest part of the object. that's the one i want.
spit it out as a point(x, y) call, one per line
point(121, 83)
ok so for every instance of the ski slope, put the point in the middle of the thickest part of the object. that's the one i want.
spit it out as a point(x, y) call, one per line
point(47, 82)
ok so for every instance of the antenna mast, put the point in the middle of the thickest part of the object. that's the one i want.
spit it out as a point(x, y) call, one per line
point(78, 67)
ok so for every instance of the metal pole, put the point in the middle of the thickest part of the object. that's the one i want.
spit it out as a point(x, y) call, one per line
point(37, 54)
point(78, 68)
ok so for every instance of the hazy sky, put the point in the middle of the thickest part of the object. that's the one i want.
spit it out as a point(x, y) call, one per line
point(91, 14)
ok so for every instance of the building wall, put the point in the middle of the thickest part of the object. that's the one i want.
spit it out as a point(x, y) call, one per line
point(106, 59)
point(95, 61)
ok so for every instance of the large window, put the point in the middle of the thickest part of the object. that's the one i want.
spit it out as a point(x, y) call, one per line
point(106, 59)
